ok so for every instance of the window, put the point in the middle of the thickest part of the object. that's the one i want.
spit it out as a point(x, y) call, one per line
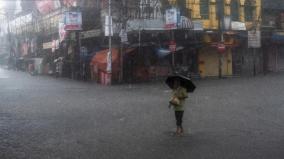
point(249, 10)
point(204, 9)
point(235, 10)
point(172, 2)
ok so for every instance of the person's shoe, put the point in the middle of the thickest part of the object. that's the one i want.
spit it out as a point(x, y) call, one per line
point(179, 132)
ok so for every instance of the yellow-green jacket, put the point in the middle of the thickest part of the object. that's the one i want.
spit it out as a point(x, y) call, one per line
point(181, 94)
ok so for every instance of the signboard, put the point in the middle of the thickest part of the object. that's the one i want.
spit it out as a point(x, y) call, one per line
point(108, 25)
point(173, 46)
point(254, 39)
point(47, 45)
point(221, 47)
point(278, 37)
point(46, 6)
point(171, 18)
point(70, 3)
point(90, 33)
point(145, 24)
point(73, 21)
point(238, 26)
point(185, 23)
point(198, 26)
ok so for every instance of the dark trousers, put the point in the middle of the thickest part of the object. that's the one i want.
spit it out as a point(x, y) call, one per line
point(179, 115)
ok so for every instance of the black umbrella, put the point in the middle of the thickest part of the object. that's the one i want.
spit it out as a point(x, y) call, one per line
point(184, 82)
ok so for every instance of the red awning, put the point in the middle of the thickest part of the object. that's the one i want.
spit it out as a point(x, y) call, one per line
point(100, 59)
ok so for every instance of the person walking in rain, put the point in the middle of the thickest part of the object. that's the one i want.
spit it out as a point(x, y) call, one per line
point(181, 86)
point(179, 96)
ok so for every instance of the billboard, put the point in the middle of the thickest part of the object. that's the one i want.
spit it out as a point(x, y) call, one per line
point(172, 18)
point(46, 6)
point(70, 3)
point(72, 21)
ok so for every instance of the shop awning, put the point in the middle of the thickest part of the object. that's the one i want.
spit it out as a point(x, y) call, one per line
point(101, 56)
point(278, 37)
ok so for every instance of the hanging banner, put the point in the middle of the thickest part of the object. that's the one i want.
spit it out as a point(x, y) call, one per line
point(73, 21)
point(123, 36)
point(55, 45)
point(33, 45)
point(62, 32)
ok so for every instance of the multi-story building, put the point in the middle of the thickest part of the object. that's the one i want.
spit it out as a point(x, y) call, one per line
point(273, 35)
point(197, 48)
point(36, 31)
point(242, 15)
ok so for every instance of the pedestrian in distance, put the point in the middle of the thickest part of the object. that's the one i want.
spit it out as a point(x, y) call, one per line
point(179, 95)
point(181, 86)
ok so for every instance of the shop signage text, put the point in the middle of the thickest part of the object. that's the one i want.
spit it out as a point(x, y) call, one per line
point(73, 21)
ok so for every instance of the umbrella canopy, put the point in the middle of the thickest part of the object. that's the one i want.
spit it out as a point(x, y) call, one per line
point(184, 82)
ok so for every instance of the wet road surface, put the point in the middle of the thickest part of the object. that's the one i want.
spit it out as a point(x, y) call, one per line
point(47, 118)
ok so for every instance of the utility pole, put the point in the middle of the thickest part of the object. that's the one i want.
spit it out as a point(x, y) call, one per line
point(109, 55)
point(11, 56)
point(221, 18)
point(173, 53)
point(123, 13)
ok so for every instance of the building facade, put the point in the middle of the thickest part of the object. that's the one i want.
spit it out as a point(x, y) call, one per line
point(213, 43)
point(273, 35)
point(243, 16)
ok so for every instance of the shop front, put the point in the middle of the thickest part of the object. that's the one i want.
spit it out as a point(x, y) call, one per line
point(209, 62)
point(275, 62)
point(98, 65)
point(215, 58)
